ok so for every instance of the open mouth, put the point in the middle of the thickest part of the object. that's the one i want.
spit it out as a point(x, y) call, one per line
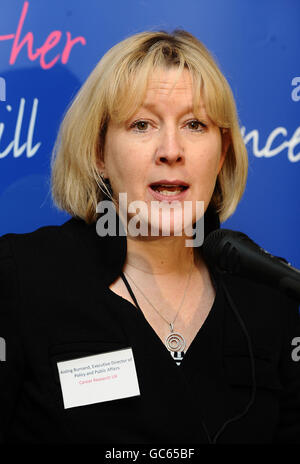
point(169, 190)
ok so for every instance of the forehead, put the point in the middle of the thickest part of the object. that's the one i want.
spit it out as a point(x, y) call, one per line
point(162, 88)
point(167, 84)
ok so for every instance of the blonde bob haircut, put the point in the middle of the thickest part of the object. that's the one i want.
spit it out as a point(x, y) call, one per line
point(115, 90)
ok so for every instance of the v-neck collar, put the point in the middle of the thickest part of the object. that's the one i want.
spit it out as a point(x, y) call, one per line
point(128, 309)
point(201, 373)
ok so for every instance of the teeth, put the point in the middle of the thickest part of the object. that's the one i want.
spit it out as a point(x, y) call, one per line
point(168, 189)
point(168, 193)
point(168, 185)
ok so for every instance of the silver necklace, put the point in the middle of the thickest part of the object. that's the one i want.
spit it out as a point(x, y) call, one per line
point(174, 341)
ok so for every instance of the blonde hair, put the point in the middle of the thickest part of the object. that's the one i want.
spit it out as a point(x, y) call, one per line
point(115, 90)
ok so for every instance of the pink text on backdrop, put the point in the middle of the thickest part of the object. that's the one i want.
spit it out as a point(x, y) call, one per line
point(52, 40)
point(2, 89)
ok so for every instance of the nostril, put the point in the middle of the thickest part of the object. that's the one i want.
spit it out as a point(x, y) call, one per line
point(164, 158)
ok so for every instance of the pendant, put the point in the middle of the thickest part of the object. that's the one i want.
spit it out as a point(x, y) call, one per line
point(175, 341)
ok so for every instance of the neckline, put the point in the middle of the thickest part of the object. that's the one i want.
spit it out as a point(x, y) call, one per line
point(209, 320)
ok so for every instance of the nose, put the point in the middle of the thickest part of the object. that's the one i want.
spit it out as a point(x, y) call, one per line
point(170, 149)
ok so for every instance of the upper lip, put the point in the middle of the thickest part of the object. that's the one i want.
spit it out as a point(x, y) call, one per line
point(170, 182)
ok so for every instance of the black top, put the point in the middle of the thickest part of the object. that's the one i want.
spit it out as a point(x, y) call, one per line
point(55, 305)
point(176, 355)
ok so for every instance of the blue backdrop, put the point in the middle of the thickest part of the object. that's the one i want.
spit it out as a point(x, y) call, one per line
point(48, 48)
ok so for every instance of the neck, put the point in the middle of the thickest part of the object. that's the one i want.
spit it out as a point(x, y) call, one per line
point(165, 255)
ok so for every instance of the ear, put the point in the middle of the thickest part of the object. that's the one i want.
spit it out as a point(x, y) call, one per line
point(226, 140)
point(100, 152)
point(101, 167)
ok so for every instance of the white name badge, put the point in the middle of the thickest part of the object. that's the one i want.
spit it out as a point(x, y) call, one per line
point(98, 378)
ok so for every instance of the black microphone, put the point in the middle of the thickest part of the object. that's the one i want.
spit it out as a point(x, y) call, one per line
point(235, 253)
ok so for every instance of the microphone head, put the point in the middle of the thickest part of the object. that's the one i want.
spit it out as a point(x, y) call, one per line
point(221, 249)
point(232, 252)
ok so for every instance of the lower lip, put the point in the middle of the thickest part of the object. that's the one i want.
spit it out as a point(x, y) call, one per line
point(160, 197)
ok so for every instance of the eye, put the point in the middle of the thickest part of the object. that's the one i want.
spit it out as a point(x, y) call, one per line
point(196, 126)
point(140, 126)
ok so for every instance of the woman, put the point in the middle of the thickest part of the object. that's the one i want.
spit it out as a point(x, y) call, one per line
point(130, 336)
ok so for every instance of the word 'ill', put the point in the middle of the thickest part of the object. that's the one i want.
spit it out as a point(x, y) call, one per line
point(14, 145)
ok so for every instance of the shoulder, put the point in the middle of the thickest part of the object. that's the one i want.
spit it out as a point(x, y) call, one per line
point(63, 256)
point(269, 315)
point(48, 254)
point(47, 238)
point(50, 243)
point(255, 294)
point(258, 299)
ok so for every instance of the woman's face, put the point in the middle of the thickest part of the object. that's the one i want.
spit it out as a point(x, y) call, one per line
point(163, 142)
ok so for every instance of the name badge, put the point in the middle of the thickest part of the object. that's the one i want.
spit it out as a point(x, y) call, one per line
point(98, 378)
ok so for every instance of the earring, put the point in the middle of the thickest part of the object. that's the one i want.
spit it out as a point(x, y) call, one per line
point(108, 193)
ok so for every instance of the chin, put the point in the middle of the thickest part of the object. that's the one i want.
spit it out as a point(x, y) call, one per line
point(169, 223)
point(156, 219)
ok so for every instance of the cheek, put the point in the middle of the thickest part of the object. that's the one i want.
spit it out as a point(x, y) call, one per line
point(123, 166)
point(115, 157)
point(207, 168)
point(208, 164)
